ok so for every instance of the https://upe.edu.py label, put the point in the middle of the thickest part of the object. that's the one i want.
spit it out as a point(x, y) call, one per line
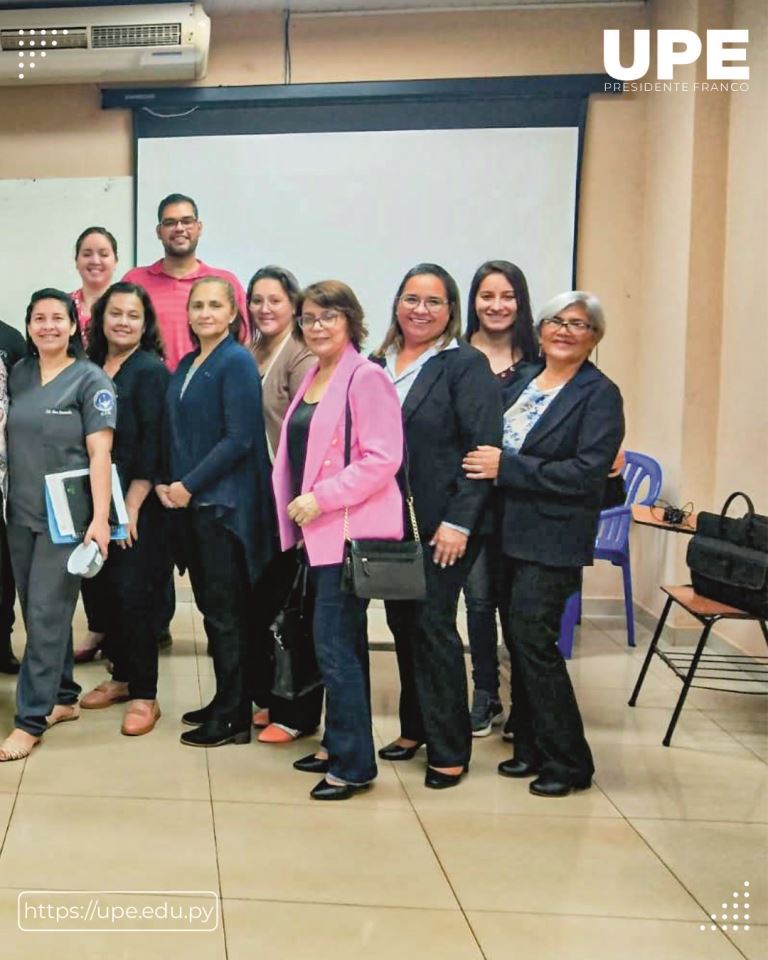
point(112, 911)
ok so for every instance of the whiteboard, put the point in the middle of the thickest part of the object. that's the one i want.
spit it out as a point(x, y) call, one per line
point(41, 219)
point(364, 207)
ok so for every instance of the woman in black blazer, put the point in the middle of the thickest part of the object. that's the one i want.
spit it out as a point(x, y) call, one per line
point(562, 429)
point(451, 403)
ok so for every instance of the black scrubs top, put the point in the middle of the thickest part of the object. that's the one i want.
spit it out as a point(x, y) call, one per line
point(47, 427)
point(141, 384)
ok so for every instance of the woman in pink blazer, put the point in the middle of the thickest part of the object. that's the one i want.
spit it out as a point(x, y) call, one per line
point(313, 491)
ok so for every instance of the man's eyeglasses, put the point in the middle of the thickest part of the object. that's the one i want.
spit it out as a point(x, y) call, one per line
point(433, 304)
point(169, 222)
point(325, 320)
point(557, 323)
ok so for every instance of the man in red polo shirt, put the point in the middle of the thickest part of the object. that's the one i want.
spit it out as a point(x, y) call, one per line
point(169, 281)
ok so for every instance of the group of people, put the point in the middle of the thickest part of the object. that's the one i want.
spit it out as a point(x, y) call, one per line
point(264, 441)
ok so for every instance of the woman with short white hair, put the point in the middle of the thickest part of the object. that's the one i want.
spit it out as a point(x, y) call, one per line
point(563, 426)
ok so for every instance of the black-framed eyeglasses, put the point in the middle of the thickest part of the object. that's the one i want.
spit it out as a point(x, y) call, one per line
point(325, 320)
point(169, 222)
point(557, 323)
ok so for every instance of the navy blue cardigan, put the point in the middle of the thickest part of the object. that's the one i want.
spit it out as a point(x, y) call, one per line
point(216, 445)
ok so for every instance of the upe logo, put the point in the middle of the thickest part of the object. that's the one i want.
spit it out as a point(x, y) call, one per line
point(675, 48)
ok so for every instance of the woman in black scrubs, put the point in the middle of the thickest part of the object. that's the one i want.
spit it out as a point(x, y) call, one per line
point(61, 417)
point(125, 342)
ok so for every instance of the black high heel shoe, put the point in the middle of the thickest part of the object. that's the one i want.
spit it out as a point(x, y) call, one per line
point(437, 780)
point(394, 751)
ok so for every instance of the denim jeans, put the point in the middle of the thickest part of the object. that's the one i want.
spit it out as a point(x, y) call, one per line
point(481, 594)
point(341, 646)
point(545, 716)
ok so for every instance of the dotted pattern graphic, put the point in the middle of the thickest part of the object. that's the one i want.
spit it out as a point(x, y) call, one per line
point(740, 915)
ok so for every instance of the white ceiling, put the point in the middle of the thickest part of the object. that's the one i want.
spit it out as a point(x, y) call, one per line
point(333, 6)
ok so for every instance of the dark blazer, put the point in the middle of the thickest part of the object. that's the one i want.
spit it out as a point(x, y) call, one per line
point(453, 406)
point(552, 490)
point(216, 445)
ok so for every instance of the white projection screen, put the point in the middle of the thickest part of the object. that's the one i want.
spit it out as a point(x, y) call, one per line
point(365, 206)
point(361, 181)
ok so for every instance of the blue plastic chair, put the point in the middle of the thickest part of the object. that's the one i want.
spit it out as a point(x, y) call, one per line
point(612, 541)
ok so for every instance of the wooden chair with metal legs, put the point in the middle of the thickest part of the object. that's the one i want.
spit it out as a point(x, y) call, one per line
point(712, 667)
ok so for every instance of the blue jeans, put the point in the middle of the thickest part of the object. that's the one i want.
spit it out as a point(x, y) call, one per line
point(481, 593)
point(341, 646)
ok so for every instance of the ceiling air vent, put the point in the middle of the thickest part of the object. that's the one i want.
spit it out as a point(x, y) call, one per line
point(136, 35)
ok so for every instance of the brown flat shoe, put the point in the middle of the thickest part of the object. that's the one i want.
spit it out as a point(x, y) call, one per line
point(140, 718)
point(104, 695)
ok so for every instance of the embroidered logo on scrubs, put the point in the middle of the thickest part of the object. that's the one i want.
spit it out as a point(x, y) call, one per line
point(104, 401)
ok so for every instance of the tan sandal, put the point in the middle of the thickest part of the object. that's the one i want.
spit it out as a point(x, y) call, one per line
point(12, 749)
point(63, 713)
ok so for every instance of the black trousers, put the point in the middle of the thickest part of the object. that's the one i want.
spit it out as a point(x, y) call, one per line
point(430, 656)
point(545, 716)
point(268, 596)
point(221, 587)
point(133, 584)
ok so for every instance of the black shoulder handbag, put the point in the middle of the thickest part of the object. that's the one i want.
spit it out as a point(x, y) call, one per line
point(296, 670)
point(383, 569)
point(728, 558)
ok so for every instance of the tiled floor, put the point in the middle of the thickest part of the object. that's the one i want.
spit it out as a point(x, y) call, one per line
point(631, 869)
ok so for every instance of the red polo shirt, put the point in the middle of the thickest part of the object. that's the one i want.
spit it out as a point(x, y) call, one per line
point(169, 297)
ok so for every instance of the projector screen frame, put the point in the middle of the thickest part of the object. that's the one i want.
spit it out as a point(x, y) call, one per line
point(559, 100)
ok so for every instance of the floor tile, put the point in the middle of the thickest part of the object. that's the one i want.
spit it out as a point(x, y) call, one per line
point(554, 865)
point(608, 719)
point(75, 843)
point(21, 944)
point(713, 860)
point(684, 784)
point(91, 758)
point(753, 942)
point(6, 806)
point(270, 930)
point(263, 773)
point(505, 935)
point(330, 853)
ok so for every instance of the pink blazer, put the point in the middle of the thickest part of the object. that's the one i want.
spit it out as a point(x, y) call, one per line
point(367, 486)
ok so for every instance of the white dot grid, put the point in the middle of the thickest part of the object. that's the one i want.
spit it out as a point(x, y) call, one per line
point(735, 906)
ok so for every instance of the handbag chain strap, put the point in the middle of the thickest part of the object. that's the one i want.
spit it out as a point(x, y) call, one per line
point(403, 469)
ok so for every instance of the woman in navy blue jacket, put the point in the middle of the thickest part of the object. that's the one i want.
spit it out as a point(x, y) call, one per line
point(563, 426)
point(218, 473)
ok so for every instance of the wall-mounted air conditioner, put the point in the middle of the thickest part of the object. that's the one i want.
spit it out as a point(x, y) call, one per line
point(104, 44)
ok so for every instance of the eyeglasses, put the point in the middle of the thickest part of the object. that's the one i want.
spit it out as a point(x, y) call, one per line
point(169, 222)
point(432, 304)
point(325, 320)
point(578, 326)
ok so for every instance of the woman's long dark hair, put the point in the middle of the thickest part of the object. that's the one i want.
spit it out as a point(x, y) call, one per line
point(75, 345)
point(523, 338)
point(97, 341)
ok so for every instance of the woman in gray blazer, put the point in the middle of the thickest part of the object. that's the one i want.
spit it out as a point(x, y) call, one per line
point(563, 426)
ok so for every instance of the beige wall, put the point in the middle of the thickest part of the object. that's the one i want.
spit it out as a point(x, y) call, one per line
point(672, 210)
